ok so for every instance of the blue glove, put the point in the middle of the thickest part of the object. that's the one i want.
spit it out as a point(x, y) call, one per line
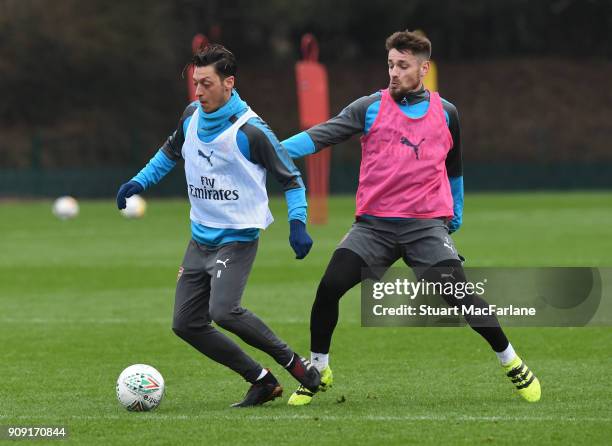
point(299, 239)
point(126, 191)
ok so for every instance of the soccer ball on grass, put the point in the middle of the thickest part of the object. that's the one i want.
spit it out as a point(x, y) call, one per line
point(140, 388)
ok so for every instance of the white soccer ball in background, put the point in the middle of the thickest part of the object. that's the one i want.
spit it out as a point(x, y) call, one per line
point(65, 208)
point(135, 207)
point(140, 388)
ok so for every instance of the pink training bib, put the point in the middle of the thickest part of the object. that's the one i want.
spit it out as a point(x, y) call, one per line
point(403, 170)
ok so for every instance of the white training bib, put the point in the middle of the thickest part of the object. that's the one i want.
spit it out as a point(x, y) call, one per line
point(225, 189)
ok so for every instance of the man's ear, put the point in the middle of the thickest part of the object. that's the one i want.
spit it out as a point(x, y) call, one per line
point(228, 82)
point(424, 68)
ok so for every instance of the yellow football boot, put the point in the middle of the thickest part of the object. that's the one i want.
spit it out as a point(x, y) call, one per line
point(302, 396)
point(526, 383)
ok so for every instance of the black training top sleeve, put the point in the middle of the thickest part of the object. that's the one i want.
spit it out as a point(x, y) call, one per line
point(454, 158)
point(350, 121)
point(173, 145)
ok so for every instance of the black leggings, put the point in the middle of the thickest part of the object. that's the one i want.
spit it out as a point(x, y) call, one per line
point(345, 271)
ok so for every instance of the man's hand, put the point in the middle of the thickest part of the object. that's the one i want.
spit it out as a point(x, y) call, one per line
point(299, 239)
point(126, 191)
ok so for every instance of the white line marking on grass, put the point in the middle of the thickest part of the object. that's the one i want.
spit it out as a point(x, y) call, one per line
point(314, 417)
point(59, 320)
point(119, 321)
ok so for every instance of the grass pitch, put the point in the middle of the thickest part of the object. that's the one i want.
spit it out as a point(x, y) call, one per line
point(80, 300)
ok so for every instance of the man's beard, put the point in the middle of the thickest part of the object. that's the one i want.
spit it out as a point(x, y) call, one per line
point(400, 93)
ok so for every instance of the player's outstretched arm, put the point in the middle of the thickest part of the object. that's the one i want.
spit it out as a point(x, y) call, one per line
point(157, 168)
point(163, 162)
point(350, 121)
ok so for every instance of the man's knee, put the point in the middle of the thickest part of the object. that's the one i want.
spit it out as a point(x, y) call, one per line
point(448, 271)
point(189, 333)
point(182, 331)
point(222, 314)
point(332, 286)
point(180, 324)
point(183, 326)
point(343, 273)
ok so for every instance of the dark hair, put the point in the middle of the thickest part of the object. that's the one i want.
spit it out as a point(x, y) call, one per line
point(220, 57)
point(413, 41)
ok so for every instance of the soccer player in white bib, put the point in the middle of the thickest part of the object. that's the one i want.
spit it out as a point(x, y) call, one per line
point(228, 150)
point(409, 201)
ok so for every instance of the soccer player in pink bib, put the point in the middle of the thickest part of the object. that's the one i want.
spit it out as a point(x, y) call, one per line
point(409, 201)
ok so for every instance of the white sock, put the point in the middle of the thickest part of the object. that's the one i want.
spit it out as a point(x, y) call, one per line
point(319, 360)
point(263, 373)
point(507, 355)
